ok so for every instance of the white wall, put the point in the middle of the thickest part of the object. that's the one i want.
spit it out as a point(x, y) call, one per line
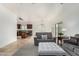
point(50, 13)
point(7, 27)
point(37, 14)
point(71, 18)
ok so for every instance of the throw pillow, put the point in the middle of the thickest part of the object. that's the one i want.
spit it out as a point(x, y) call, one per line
point(44, 37)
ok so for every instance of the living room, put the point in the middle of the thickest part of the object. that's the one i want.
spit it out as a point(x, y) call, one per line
point(30, 26)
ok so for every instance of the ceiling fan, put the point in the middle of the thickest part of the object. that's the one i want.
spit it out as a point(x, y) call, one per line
point(20, 18)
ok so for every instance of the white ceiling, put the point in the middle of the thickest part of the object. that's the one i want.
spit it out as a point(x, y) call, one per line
point(36, 12)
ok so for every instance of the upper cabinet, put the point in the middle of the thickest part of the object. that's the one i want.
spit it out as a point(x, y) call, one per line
point(24, 27)
point(29, 26)
point(18, 26)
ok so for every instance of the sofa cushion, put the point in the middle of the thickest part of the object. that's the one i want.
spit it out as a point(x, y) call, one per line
point(77, 35)
point(44, 37)
point(39, 35)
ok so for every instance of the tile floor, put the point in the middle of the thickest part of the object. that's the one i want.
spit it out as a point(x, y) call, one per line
point(15, 46)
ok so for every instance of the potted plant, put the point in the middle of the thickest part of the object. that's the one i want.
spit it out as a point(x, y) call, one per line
point(60, 34)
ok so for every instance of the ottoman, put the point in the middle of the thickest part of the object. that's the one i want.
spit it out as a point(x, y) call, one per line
point(50, 49)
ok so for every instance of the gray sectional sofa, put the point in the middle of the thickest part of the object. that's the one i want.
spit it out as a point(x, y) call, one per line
point(73, 40)
point(39, 37)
